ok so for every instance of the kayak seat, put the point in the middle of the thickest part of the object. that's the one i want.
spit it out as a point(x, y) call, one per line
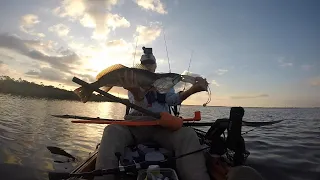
point(148, 151)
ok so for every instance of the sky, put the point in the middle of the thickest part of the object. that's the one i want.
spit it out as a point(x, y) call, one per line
point(253, 53)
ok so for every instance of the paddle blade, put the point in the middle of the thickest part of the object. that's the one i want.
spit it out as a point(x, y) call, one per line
point(258, 124)
point(59, 151)
point(58, 175)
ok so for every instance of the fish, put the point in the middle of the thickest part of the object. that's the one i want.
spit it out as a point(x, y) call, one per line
point(116, 75)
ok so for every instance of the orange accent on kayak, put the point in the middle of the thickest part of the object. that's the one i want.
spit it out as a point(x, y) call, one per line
point(171, 122)
point(167, 120)
point(197, 117)
point(121, 122)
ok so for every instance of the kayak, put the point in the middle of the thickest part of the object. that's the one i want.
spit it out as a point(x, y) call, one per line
point(88, 165)
point(224, 154)
point(221, 154)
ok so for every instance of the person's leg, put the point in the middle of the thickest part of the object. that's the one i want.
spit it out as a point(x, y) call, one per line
point(182, 141)
point(114, 139)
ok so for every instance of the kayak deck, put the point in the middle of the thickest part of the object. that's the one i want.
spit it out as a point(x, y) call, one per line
point(86, 166)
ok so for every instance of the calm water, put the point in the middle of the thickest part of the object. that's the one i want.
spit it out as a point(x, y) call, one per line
point(289, 150)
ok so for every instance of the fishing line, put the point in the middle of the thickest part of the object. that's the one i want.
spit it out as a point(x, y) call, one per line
point(135, 52)
point(209, 97)
point(185, 83)
point(165, 42)
point(188, 69)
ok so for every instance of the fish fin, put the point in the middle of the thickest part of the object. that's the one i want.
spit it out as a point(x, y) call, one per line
point(106, 88)
point(110, 69)
point(83, 93)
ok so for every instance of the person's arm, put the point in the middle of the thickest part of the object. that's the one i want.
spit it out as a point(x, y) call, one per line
point(200, 85)
point(173, 98)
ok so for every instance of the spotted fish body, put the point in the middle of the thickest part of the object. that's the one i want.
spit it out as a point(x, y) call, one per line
point(122, 76)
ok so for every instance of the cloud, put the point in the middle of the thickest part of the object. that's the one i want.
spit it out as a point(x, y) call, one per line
point(146, 34)
point(116, 43)
point(59, 61)
point(283, 63)
point(221, 71)
point(153, 5)
point(60, 29)
point(70, 8)
point(92, 14)
point(29, 20)
point(185, 72)
point(214, 82)
point(306, 67)
point(315, 81)
point(4, 56)
point(27, 24)
point(5, 70)
point(250, 96)
point(32, 73)
point(103, 23)
point(54, 75)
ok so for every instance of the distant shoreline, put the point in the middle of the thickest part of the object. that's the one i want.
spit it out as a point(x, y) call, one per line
point(24, 88)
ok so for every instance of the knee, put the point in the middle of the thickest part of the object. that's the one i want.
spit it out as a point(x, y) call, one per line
point(113, 130)
point(186, 134)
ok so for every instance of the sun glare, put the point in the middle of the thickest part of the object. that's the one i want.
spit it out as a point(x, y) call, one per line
point(110, 56)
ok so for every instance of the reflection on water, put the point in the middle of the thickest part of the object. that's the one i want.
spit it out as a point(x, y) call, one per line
point(286, 150)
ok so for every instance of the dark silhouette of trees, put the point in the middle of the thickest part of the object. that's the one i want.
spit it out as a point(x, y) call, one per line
point(24, 88)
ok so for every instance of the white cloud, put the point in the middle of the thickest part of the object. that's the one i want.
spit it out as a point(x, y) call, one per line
point(115, 21)
point(306, 67)
point(153, 5)
point(146, 34)
point(117, 43)
point(27, 24)
point(29, 20)
point(60, 29)
point(221, 71)
point(283, 63)
point(93, 14)
point(214, 82)
point(71, 8)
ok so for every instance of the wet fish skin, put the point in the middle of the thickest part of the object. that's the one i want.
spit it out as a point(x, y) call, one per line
point(115, 76)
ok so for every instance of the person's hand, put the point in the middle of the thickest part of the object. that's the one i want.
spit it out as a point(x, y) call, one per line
point(200, 85)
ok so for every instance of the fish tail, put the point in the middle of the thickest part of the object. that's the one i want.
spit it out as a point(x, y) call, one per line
point(83, 93)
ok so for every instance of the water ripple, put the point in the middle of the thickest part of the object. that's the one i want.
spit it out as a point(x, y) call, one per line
point(288, 150)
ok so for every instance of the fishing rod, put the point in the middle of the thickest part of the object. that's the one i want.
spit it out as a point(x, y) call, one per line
point(114, 98)
point(165, 42)
point(121, 169)
point(196, 117)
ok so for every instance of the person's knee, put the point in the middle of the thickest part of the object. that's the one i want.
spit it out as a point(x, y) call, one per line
point(185, 134)
point(113, 130)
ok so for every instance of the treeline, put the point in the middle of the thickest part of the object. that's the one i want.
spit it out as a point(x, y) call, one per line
point(24, 88)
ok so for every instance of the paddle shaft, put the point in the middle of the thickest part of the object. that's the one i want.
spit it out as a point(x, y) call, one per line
point(114, 98)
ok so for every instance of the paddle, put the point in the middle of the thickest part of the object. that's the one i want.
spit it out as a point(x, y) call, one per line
point(197, 117)
point(59, 151)
point(114, 98)
point(157, 122)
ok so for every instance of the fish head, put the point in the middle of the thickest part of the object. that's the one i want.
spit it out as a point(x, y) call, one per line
point(165, 83)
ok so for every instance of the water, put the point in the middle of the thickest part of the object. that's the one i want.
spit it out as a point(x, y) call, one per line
point(288, 150)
